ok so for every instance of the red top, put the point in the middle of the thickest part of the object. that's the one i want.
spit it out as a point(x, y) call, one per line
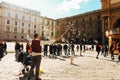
point(36, 46)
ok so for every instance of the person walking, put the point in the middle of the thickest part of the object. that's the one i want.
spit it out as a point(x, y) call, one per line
point(36, 56)
point(98, 49)
point(112, 50)
point(106, 51)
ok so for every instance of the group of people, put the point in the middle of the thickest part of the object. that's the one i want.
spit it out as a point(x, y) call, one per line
point(3, 51)
point(105, 50)
point(57, 49)
point(34, 51)
point(31, 56)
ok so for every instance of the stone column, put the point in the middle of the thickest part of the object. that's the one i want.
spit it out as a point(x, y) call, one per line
point(103, 30)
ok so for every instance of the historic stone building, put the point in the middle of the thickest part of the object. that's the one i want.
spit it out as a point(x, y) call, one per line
point(16, 21)
point(110, 14)
point(83, 26)
point(110, 19)
point(47, 28)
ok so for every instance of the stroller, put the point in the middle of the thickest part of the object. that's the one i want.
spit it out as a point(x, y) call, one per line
point(25, 59)
point(26, 62)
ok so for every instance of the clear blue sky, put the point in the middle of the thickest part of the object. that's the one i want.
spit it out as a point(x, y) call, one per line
point(58, 8)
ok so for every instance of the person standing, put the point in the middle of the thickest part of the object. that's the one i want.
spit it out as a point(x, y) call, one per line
point(106, 51)
point(92, 47)
point(118, 47)
point(77, 47)
point(98, 49)
point(80, 49)
point(1, 49)
point(112, 50)
point(72, 49)
point(45, 49)
point(28, 48)
point(17, 50)
point(36, 56)
point(5, 47)
point(65, 47)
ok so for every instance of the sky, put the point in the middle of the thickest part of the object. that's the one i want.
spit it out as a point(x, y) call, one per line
point(58, 8)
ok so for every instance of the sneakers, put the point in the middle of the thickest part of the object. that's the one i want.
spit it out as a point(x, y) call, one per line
point(97, 58)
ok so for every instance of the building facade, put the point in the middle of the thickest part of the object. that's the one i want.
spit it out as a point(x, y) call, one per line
point(47, 28)
point(110, 14)
point(86, 26)
point(16, 21)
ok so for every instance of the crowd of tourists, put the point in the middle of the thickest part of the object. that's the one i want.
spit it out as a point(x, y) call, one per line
point(32, 54)
point(57, 49)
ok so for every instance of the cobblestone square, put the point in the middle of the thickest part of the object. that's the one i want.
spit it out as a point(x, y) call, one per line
point(85, 67)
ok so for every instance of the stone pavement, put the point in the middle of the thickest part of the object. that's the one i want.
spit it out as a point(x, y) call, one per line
point(86, 67)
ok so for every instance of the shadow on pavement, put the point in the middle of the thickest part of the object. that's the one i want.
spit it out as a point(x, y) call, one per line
point(26, 78)
point(74, 64)
point(102, 59)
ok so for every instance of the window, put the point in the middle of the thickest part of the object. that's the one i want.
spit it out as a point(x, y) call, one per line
point(29, 25)
point(22, 24)
point(99, 30)
point(48, 22)
point(15, 22)
point(35, 19)
point(98, 17)
point(76, 21)
point(90, 24)
point(42, 33)
point(98, 23)
point(22, 31)
point(15, 30)
point(8, 21)
point(52, 34)
point(22, 37)
point(34, 31)
point(23, 17)
point(42, 27)
point(52, 23)
point(90, 18)
point(83, 20)
point(7, 29)
point(34, 26)
point(29, 18)
point(8, 14)
point(15, 36)
point(28, 31)
point(16, 16)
